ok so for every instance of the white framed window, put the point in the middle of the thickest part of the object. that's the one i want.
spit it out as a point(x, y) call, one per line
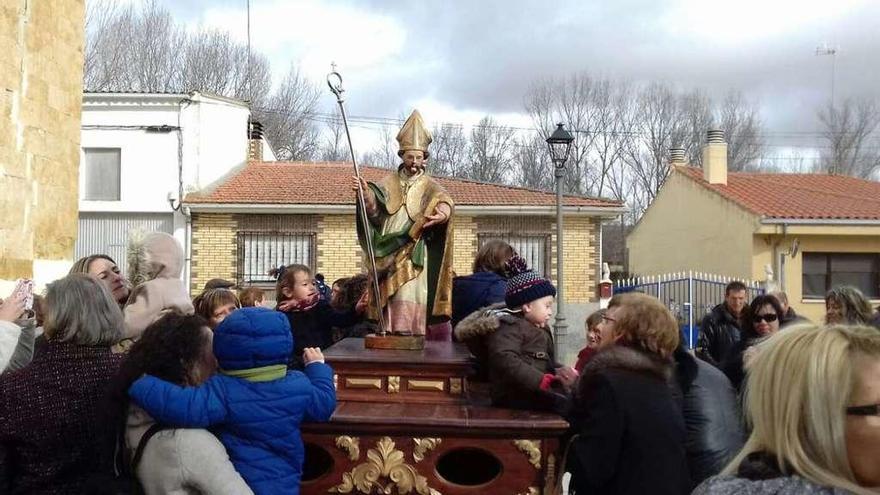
point(259, 252)
point(532, 248)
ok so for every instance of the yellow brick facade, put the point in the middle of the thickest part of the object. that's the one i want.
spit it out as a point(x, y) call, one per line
point(338, 253)
point(580, 242)
point(464, 244)
point(214, 250)
point(41, 60)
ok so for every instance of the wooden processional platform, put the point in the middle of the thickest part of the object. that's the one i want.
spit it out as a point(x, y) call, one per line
point(407, 422)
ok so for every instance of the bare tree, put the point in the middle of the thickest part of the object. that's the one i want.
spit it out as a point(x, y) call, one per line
point(107, 26)
point(491, 151)
point(208, 62)
point(385, 154)
point(741, 123)
point(334, 148)
point(287, 118)
point(154, 47)
point(848, 130)
point(693, 110)
point(532, 166)
point(569, 101)
point(793, 162)
point(659, 125)
point(614, 123)
point(449, 150)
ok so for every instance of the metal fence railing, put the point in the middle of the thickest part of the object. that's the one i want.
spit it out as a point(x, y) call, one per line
point(689, 295)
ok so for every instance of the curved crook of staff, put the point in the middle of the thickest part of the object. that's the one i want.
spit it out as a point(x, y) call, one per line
point(334, 80)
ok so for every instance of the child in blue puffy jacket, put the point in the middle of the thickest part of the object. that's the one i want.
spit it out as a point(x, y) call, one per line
point(255, 404)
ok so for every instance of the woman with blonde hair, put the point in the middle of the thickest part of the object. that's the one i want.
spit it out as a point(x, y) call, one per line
point(813, 401)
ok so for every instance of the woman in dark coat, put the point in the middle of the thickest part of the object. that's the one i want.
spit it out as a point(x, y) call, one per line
point(630, 432)
point(711, 414)
point(486, 285)
point(50, 411)
point(765, 317)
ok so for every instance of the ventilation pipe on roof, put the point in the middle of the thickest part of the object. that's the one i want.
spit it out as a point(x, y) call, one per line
point(255, 141)
point(715, 158)
point(677, 157)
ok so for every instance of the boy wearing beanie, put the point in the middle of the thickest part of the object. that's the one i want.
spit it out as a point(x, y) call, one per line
point(523, 372)
point(255, 403)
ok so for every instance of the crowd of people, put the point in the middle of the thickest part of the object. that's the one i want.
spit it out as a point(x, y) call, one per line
point(111, 382)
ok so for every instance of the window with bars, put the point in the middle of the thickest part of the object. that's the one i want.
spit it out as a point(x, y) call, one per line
point(823, 271)
point(259, 252)
point(533, 248)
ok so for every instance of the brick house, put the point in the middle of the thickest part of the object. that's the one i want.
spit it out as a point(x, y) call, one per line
point(271, 213)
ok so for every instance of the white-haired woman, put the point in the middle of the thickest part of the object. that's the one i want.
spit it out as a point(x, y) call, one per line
point(813, 401)
point(50, 427)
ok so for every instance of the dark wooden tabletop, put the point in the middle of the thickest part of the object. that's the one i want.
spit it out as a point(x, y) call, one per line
point(352, 350)
point(466, 420)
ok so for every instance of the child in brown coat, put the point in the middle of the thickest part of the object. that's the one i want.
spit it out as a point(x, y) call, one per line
point(523, 372)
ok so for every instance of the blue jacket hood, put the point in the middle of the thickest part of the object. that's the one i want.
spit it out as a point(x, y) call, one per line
point(252, 338)
point(475, 291)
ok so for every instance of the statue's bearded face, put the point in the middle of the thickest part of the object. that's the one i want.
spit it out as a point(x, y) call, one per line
point(413, 161)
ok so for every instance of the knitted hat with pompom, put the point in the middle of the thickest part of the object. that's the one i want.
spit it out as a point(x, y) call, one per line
point(524, 285)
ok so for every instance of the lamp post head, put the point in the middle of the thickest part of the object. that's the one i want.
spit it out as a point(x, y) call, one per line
point(560, 144)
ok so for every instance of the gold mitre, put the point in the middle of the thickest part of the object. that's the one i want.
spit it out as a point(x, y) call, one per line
point(413, 135)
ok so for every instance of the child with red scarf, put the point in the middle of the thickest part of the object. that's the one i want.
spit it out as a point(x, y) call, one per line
point(311, 317)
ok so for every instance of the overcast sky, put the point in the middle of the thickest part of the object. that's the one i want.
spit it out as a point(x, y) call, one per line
point(459, 60)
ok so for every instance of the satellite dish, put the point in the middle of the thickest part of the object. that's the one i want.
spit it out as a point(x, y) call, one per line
point(795, 247)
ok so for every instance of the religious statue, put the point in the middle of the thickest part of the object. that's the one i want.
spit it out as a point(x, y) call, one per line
point(411, 226)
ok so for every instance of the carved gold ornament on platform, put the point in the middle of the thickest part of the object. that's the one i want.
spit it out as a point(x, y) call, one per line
point(384, 472)
point(531, 448)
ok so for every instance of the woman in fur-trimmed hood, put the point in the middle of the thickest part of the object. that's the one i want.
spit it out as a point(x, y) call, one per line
point(630, 430)
point(155, 262)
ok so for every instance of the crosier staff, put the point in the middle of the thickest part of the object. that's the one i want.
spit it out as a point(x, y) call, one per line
point(334, 80)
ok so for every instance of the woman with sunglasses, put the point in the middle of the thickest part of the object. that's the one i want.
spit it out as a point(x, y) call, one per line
point(813, 404)
point(766, 314)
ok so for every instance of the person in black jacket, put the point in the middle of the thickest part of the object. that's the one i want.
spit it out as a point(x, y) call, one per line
point(765, 320)
point(721, 328)
point(630, 430)
point(789, 316)
point(714, 430)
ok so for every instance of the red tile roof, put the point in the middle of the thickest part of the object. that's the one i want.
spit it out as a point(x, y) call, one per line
point(330, 183)
point(802, 196)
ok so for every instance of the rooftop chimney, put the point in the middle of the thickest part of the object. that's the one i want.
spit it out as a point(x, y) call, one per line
point(677, 157)
point(715, 158)
point(255, 141)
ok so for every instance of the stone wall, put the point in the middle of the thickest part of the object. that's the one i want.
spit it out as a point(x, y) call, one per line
point(41, 64)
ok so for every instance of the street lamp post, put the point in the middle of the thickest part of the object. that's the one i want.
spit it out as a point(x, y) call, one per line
point(559, 143)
